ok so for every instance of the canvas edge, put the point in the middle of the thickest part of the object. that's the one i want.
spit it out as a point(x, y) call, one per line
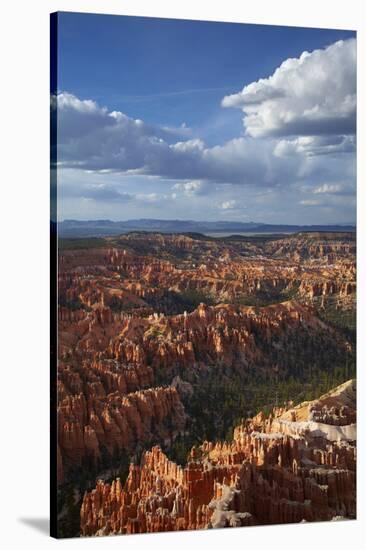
point(53, 276)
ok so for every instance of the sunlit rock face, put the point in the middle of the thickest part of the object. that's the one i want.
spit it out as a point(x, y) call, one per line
point(145, 321)
point(106, 391)
point(321, 264)
point(116, 421)
point(287, 467)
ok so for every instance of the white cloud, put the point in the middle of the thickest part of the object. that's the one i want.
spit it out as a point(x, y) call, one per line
point(228, 205)
point(312, 95)
point(295, 147)
point(128, 197)
point(330, 188)
point(67, 101)
point(192, 188)
point(315, 145)
point(91, 138)
point(190, 145)
point(310, 202)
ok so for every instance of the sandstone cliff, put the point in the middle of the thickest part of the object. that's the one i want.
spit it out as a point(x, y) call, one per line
point(269, 473)
point(115, 420)
point(146, 321)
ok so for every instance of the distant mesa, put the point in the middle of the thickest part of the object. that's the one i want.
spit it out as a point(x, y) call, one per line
point(104, 228)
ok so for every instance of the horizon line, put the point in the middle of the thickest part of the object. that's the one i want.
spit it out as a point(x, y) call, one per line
point(351, 223)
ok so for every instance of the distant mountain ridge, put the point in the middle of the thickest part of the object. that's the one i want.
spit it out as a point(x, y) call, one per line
point(104, 228)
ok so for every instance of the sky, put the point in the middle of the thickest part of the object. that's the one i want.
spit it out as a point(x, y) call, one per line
point(175, 119)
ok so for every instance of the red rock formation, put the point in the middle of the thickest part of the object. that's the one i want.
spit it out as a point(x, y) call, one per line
point(123, 332)
point(115, 420)
point(106, 354)
point(264, 475)
point(319, 263)
point(210, 334)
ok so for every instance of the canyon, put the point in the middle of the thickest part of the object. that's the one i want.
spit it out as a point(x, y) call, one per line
point(194, 378)
point(277, 469)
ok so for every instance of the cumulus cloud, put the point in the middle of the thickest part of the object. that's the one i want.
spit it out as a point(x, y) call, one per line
point(313, 95)
point(193, 188)
point(315, 145)
point(191, 145)
point(92, 138)
point(299, 130)
point(296, 157)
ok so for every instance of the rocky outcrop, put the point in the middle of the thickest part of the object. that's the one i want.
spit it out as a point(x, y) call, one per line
point(143, 268)
point(145, 320)
point(313, 246)
point(222, 334)
point(112, 347)
point(87, 421)
point(110, 361)
point(266, 474)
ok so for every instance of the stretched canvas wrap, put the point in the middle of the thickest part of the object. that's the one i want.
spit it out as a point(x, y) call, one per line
point(203, 275)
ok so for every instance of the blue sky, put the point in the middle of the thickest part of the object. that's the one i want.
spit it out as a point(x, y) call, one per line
point(156, 120)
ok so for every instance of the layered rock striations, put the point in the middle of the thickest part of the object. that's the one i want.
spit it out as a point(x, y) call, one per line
point(277, 469)
point(107, 393)
point(154, 330)
point(116, 420)
point(226, 334)
point(139, 276)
